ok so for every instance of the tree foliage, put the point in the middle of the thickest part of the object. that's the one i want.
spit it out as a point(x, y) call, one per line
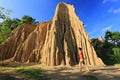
point(116, 55)
point(111, 48)
point(4, 33)
point(4, 13)
point(113, 37)
point(11, 23)
point(8, 24)
point(27, 19)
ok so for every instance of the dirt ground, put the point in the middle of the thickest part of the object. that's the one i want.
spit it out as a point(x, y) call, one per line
point(72, 73)
point(64, 72)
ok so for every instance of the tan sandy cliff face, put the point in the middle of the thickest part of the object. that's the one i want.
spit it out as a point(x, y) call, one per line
point(53, 43)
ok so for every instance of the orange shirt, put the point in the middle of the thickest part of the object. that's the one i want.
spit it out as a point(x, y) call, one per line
point(81, 55)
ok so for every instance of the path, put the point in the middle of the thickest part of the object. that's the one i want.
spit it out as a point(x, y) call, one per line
point(72, 73)
point(69, 73)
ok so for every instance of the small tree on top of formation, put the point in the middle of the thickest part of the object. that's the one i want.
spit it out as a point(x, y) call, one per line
point(27, 19)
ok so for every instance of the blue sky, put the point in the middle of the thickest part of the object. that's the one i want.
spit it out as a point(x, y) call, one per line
point(97, 15)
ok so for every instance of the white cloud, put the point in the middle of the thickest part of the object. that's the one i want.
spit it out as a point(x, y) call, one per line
point(106, 1)
point(106, 28)
point(110, 10)
point(93, 31)
point(115, 11)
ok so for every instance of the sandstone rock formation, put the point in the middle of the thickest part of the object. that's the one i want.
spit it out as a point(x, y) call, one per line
point(98, 44)
point(53, 43)
point(101, 39)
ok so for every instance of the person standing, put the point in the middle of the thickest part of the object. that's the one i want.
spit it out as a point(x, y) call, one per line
point(81, 60)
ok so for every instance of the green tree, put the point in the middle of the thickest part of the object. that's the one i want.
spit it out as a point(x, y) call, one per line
point(111, 48)
point(4, 13)
point(4, 33)
point(11, 23)
point(113, 37)
point(4, 28)
point(116, 55)
point(27, 19)
point(8, 24)
point(15, 23)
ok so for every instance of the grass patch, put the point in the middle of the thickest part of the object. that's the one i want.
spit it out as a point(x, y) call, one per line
point(1, 69)
point(89, 77)
point(4, 65)
point(117, 64)
point(0, 58)
point(32, 74)
point(7, 77)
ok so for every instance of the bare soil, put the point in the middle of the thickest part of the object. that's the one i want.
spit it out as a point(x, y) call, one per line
point(61, 72)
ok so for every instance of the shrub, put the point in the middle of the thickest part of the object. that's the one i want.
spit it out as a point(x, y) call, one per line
point(32, 74)
point(89, 77)
point(116, 55)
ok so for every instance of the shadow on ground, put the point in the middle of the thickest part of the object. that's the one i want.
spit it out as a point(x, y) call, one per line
point(72, 73)
point(62, 72)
